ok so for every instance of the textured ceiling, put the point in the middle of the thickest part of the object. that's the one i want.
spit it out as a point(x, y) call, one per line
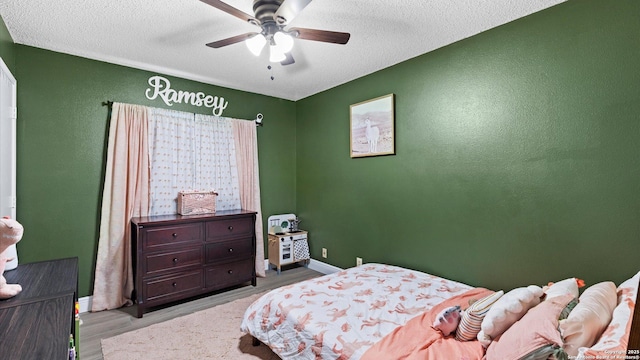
point(169, 36)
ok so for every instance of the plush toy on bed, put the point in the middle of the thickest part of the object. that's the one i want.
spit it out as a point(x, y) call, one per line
point(507, 310)
point(447, 320)
point(566, 286)
point(10, 233)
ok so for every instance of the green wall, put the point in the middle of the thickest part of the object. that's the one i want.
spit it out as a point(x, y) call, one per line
point(62, 135)
point(517, 155)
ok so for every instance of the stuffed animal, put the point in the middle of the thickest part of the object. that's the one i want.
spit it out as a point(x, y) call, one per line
point(507, 310)
point(10, 233)
point(447, 320)
point(566, 286)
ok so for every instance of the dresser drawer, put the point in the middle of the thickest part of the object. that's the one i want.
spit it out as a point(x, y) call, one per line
point(230, 229)
point(158, 237)
point(173, 260)
point(172, 286)
point(225, 275)
point(226, 251)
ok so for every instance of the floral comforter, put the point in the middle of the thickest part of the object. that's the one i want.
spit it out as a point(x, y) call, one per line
point(341, 315)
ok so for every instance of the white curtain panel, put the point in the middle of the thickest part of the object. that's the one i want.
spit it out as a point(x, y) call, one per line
point(172, 164)
point(191, 152)
point(215, 158)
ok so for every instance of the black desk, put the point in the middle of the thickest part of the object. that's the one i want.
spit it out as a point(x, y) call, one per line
point(36, 323)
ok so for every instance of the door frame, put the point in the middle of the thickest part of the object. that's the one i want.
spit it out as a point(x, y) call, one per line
point(11, 252)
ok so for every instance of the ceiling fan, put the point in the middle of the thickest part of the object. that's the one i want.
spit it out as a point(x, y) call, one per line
point(272, 16)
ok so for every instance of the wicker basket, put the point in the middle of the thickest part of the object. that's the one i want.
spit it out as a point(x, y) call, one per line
point(196, 202)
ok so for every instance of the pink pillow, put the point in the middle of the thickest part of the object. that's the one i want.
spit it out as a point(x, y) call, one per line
point(537, 332)
point(589, 318)
point(615, 338)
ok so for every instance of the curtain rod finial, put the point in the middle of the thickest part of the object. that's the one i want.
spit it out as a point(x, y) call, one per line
point(259, 119)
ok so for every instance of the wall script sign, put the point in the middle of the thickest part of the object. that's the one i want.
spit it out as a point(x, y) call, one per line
point(161, 86)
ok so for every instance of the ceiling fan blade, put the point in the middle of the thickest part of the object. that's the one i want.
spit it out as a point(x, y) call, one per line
point(288, 61)
point(231, 40)
point(231, 10)
point(288, 10)
point(322, 35)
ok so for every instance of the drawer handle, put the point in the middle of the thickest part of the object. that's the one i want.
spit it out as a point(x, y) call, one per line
point(230, 272)
point(174, 284)
point(230, 228)
point(175, 260)
point(174, 235)
point(230, 249)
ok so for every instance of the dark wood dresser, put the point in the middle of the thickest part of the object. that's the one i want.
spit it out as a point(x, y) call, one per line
point(37, 322)
point(180, 256)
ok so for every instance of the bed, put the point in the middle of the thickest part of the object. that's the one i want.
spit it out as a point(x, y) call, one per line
point(383, 311)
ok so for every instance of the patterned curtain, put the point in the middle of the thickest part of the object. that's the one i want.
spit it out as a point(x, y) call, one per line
point(215, 153)
point(171, 147)
point(190, 152)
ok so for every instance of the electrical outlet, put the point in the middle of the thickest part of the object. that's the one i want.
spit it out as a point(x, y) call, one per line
point(324, 253)
point(358, 261)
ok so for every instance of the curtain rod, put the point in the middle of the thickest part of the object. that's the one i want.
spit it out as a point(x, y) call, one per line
point(258, 119)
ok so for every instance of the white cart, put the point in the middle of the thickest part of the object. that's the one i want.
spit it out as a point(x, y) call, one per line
point(286, 247)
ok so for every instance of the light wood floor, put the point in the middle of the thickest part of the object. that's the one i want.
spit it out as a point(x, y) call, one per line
point(105, 324)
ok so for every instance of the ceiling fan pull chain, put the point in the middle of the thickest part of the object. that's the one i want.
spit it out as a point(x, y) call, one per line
point(270, 71)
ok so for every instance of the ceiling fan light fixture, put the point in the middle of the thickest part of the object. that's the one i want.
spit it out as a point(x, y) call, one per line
point(256, 44)
point(284, 41)
point(276, 54)
point(272, 17)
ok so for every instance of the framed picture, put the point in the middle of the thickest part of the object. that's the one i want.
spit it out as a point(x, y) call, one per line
point(372, 127)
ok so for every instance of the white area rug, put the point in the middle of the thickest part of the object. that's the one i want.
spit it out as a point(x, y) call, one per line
point(208, 334)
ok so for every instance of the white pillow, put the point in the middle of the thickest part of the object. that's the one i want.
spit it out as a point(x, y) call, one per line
point(507, 310)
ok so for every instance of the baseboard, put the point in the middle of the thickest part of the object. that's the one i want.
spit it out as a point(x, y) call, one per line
point(85, 303)
point(322, 267)
point(315, 265)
